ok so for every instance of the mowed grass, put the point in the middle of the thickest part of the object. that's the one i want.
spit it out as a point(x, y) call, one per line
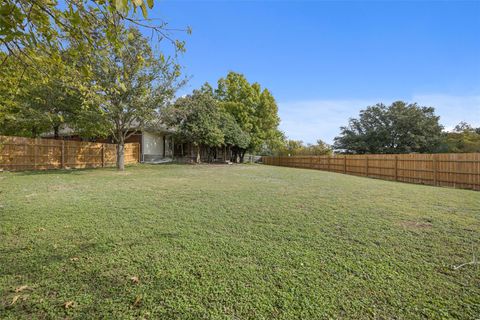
point(234, 242)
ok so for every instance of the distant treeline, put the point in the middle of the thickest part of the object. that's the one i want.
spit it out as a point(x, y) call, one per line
point(398, 128)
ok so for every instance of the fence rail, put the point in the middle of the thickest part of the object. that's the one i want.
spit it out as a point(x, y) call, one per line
point(457, 170)
point(18, 153)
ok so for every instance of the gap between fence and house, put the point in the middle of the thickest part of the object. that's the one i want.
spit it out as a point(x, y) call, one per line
point(457, 170)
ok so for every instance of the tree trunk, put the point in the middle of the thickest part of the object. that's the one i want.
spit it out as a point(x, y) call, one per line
point(209, 154)
point(121, 155)
point(242, 155)
point(56, 132)
point(198, 154)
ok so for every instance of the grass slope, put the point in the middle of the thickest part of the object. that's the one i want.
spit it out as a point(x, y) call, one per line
point(236, 242)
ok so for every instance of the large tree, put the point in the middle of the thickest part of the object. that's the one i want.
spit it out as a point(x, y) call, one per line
point(32, 103)
point(84, 28)
point(254, 109)
point(398, 128)
point(235, 139)
point(130, 84)
point(196, 119)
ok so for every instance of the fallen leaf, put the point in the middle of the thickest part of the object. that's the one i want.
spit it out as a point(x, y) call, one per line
point(68, 304)
point(21, 288)
point(74, 259)
point(15, 298)
point(138, 299)
point(134, 280)
point(41, 229)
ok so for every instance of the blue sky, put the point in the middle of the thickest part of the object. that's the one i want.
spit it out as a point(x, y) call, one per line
point(324, 61)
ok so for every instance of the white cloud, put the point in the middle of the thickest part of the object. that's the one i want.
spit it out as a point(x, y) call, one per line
point(452, 109)
point(317, 119)
point(322, 119)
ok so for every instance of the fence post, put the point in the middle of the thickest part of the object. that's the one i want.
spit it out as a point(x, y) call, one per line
point(435, 169)
point(103, 155)
point(328, 163)
point(344, 164)
point(138, 152)
point(63, 154)
point(366, 166)
point(396, 168)
point(35, 153)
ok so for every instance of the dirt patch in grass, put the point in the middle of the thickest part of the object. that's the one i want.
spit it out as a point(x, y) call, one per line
point(416, 225)
point(60, 187)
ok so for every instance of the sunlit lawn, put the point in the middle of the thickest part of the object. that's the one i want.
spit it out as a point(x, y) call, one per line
point(234, 242)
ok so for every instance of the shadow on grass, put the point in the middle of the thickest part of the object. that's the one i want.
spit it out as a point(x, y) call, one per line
point(66, 171)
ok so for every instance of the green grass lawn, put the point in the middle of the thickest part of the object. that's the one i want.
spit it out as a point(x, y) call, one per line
point(234, 242)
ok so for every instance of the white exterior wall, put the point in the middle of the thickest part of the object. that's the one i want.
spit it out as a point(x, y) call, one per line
point(152, 143)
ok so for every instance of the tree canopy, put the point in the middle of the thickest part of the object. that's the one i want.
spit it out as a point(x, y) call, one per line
point(298, 148)
point(196, 119)
point(463, 138)
point(398, 128)
point(49, 26)
point(32, 103)
point(246, 114)
point(254, 109)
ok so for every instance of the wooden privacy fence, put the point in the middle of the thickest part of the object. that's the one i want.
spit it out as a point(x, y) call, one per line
point(458, 170)
point(17, 153)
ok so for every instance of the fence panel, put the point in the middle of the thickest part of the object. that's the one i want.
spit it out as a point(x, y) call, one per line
point(18, 153)
point(457, 170)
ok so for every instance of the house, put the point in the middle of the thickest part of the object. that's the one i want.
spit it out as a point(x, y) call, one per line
point(157, 145)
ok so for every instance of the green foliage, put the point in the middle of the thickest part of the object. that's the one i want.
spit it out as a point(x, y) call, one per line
point(464, 138)
point(199, 119)
point(110, 82)
point(48, 25)
point(234, 242)
point(195, 119)
point(33, 103)
point(398, 128)
point(130, 83)
point(292, 147)
point(298, 148)
point(233, 134)
point(92, 30)
point(320, 148)
point(254, 109)
point(123, 89)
